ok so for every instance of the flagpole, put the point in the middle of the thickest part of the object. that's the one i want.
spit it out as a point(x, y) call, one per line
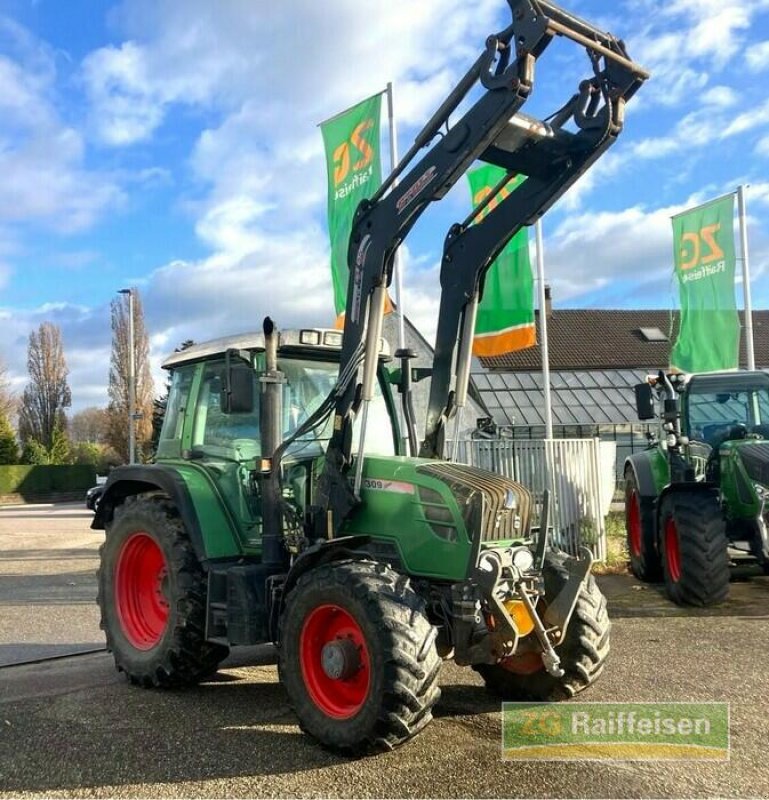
point(397, 257)
point(743, 215)
point(543, 331)
point(550, 483)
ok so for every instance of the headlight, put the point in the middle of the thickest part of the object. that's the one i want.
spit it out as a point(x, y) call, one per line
point(523, 559)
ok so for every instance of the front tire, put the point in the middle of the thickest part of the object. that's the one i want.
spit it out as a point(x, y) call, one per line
point(358, 657)
point(152, 596)
point(695, 557)
point(645, 562)
point(583, 651)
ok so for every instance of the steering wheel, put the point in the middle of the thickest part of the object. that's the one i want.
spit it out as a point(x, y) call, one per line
point(738, 430)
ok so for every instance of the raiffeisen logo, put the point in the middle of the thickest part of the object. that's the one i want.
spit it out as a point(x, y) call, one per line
point(615, 731)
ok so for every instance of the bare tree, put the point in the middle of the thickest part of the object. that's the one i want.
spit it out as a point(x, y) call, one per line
point(8, 401)
point(89, 425)
point(47, 393)
point(117, 433)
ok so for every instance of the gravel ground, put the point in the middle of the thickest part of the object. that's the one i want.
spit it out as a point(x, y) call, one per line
point(74, 728)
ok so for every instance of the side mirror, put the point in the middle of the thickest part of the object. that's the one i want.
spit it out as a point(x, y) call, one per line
point(237, 396)
point(644, 401)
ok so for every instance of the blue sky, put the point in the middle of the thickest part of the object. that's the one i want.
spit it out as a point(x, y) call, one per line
point(173, 146)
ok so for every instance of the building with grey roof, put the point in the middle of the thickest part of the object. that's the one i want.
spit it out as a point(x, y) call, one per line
point(596, 358)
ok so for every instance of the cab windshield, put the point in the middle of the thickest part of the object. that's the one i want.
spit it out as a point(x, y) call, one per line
point(308, 383)
point(714, 415)
point(236, 436)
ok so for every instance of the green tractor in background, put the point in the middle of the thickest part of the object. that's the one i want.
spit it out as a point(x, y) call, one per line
point(286, 503)
point(696, 500)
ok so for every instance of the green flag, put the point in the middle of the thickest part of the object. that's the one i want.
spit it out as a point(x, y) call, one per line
point(506, 313)
point(703, 243)
point(353, 162)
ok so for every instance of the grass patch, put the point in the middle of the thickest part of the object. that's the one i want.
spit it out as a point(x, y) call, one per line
point(616, 546)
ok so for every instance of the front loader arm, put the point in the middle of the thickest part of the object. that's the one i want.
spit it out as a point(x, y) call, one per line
point(551, 158)
point(505, 70)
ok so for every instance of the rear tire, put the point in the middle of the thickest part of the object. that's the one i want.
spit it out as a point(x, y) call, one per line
point(152, 596)
point(583, 652)
point(693, 542)
point(645, 561)
point(364, 621)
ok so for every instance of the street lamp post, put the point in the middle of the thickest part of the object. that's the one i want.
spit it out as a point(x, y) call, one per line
point(131, 378)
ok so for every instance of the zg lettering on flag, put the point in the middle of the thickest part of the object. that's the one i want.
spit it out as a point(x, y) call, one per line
point(353, 161)
point(505, 321)
point(709, 335)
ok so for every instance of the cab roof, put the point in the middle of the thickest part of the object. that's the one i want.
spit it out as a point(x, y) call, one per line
point(734, 381)
point(302, 340)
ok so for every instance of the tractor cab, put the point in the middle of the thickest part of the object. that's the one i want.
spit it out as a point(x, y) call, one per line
point(214, 415)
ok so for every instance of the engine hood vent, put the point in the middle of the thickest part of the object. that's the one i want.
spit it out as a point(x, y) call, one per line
point(506, 504)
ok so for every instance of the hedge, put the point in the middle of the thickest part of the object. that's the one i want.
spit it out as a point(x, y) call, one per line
point(40, 480)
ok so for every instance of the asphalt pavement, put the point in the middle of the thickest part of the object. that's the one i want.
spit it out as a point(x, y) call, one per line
point(74, 727)
point(48, 560)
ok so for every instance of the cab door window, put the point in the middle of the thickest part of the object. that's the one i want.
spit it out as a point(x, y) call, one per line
point(234, 436)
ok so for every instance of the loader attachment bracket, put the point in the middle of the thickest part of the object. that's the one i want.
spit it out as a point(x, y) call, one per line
point(559, 611)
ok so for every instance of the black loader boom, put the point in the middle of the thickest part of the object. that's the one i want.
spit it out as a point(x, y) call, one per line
point(492, 130)
point(551, 158)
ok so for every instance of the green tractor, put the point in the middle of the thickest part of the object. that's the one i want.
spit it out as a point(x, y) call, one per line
point(695, 501)
point(287, 504)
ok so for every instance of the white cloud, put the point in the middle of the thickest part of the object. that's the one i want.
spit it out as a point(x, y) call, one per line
point(118, 80)
point(720, 97)
point(758, 193)
point(762, 147)
point(305, 59)
point(590, 251)
point(42, 159)
point(258, 165)
point(757, 57)
point(718, 25)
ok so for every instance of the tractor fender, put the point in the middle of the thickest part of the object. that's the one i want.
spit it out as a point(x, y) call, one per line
point(640, 464)
point(132, 480)
point(323, 553)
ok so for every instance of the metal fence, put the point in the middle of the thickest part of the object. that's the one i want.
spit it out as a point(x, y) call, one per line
point(629, 438)
point(578, 472)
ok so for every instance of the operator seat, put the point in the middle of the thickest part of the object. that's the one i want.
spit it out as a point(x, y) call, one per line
point(716, 435)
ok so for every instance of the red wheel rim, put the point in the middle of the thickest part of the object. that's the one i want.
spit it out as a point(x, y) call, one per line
point(338, 697)
point(672, 551)
point(634, 524)
point(140, 580)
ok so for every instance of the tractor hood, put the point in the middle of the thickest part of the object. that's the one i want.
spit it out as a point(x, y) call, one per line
point(755, 458)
